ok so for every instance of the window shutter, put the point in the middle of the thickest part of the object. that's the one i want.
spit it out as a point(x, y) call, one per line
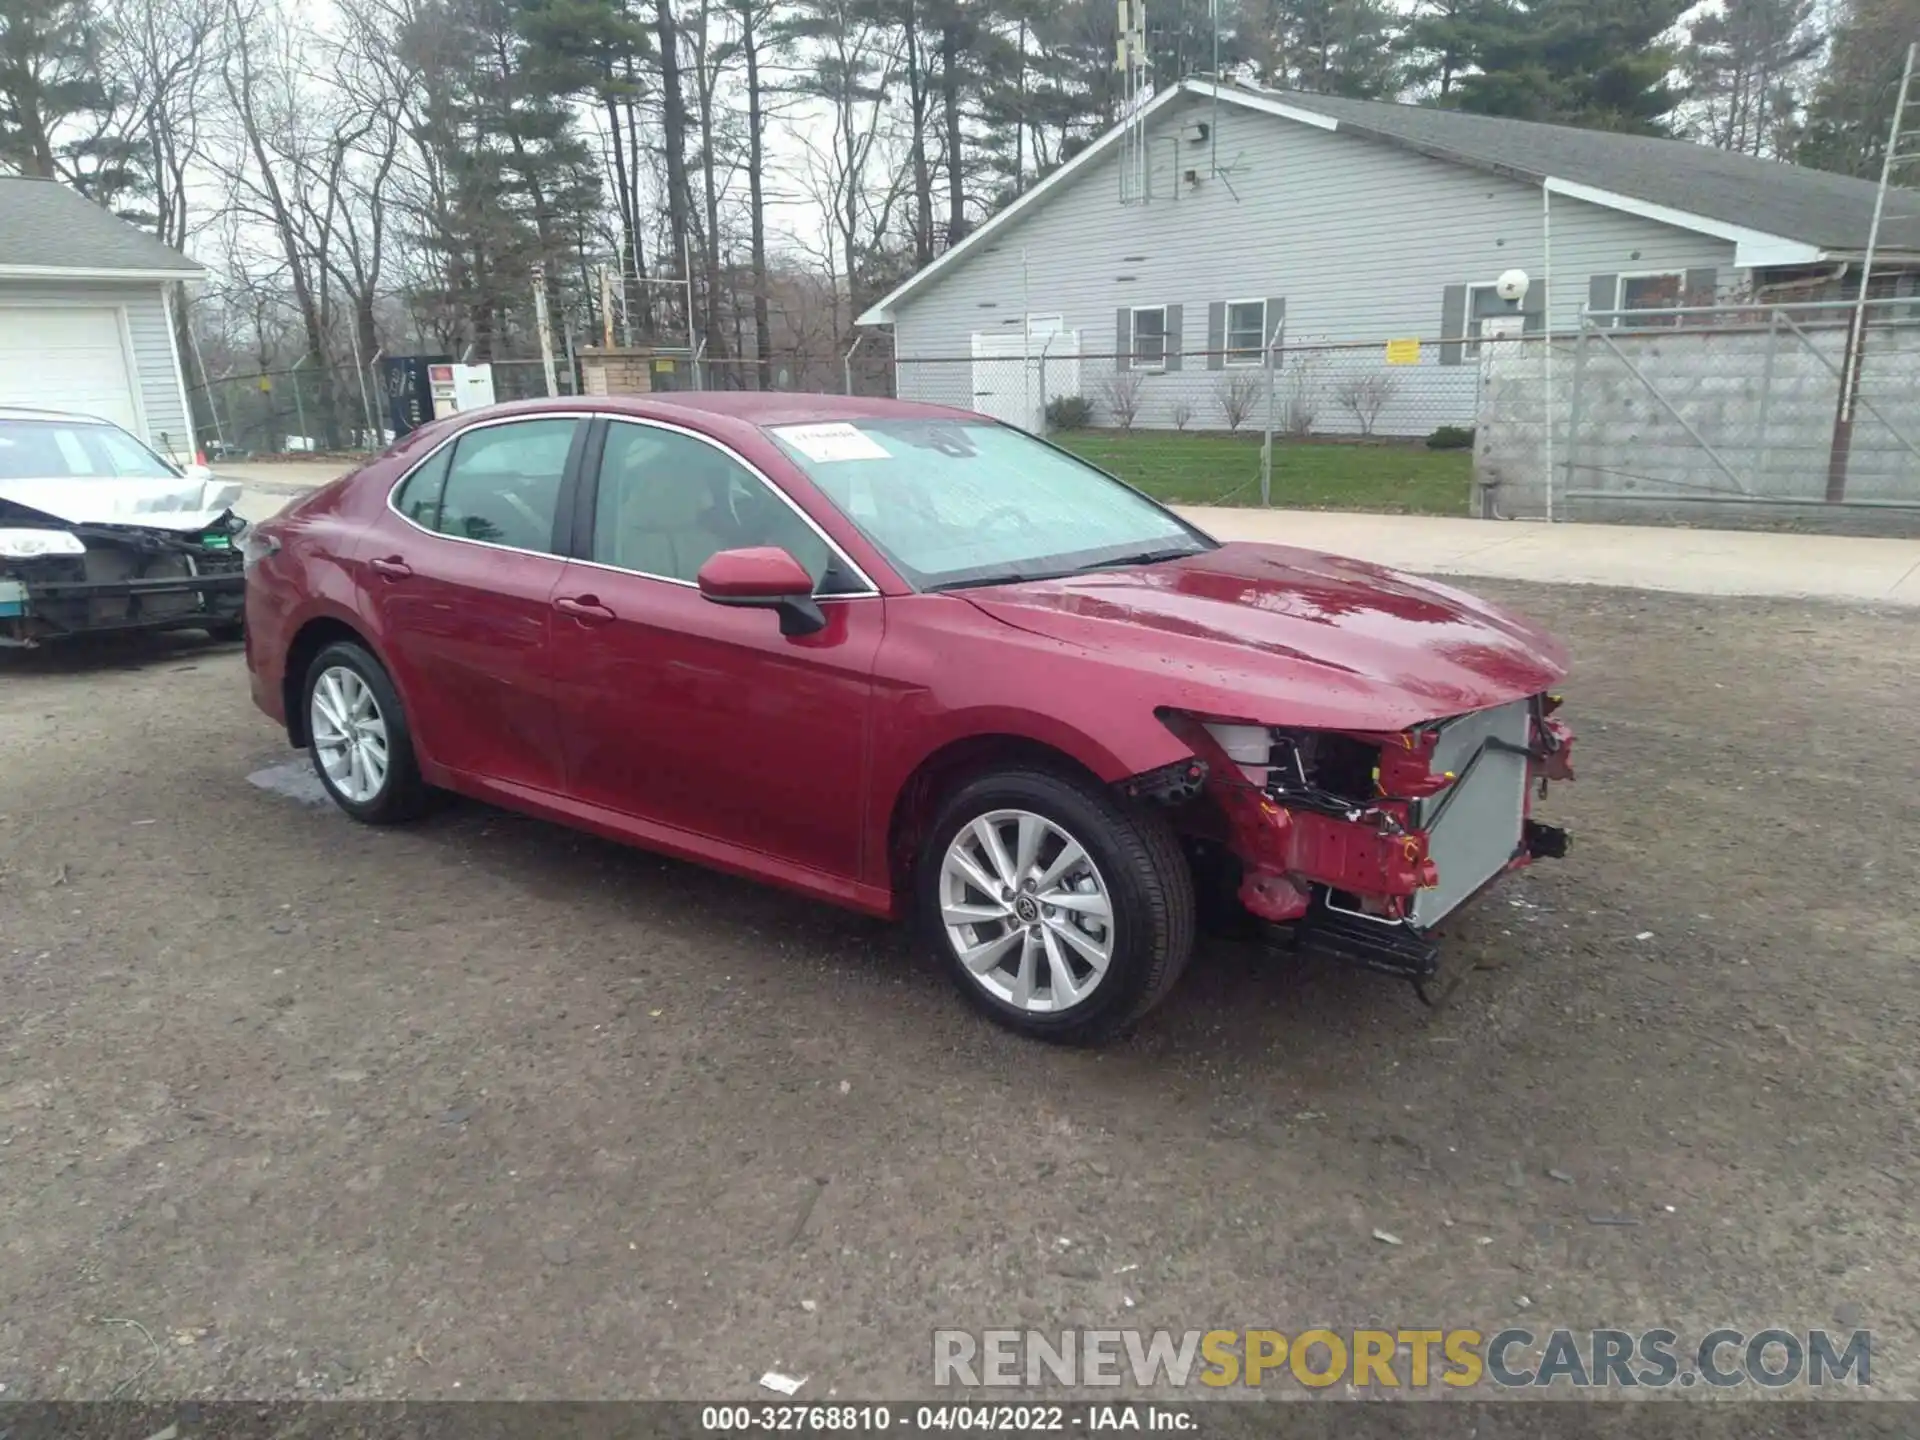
point(1602, 292)
point(1453, 322)
point(1276, 322)
point(1173, 336)
point(1700, 286)
point(1123, 339)
point(1216, 334)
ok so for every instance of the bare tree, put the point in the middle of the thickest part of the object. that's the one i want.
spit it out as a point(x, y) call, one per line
point(1122, 392)
point(1303, 393)
point(1365, 396)
point(279, 153)
point(1235, 394)
point(857, 58)
point(164, 53)
point(1182, 414)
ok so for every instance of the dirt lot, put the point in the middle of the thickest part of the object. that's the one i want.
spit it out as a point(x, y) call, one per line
point(485, 1108)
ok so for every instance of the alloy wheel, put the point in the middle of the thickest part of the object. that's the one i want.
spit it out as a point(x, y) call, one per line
point(1026, 911)
point(349, 734)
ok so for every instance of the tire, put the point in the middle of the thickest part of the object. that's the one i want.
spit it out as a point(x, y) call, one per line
point(400, 795)
point(1136, 868)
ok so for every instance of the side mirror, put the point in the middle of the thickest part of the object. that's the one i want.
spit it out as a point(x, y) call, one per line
point(764, 577)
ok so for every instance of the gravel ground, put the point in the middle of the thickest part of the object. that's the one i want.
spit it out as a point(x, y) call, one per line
point(486, 1108)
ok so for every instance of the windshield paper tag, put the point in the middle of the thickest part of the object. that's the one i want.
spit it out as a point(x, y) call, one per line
point(827, 443)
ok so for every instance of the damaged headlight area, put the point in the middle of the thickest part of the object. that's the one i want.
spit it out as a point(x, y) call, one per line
point(1364, 841)
point(88, 579)
point(23, 544)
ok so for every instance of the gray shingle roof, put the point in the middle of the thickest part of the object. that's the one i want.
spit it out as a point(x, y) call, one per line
point(43, 223)
point(1830, 211)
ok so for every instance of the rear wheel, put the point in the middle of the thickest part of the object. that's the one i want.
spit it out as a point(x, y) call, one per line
point(362, 749)
point(1058, 911)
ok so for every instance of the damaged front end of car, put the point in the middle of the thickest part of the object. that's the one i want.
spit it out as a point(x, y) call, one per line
point(60, 579)
point(1362, 842)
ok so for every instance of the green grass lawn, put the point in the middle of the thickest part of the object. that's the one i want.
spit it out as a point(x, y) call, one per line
point(1307, 474)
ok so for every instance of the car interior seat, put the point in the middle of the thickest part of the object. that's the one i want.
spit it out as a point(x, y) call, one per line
point(670, 514)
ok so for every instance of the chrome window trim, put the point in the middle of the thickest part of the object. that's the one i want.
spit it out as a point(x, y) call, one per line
point(454, 439)
point(872, 591)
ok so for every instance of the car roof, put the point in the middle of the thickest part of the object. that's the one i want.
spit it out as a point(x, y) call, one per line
point(35, 412)
point(720, 410)
point(783, 407)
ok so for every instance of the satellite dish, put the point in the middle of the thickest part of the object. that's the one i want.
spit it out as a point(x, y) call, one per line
point(1512, 285)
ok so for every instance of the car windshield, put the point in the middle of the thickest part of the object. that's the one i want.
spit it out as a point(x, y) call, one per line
point(75, 449)
point(970, 502)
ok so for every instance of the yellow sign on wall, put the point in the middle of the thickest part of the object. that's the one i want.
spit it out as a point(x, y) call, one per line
point(1403, 352)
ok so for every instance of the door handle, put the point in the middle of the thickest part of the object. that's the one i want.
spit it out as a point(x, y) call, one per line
point(587, 609)
point(391, 566)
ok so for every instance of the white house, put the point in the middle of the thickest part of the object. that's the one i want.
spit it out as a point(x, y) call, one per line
point(86, 314)
point(1222, 219)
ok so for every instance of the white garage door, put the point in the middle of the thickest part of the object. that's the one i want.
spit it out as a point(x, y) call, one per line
point(66, 358)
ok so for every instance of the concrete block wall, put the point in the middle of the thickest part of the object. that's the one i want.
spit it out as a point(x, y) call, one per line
point(1643, 421)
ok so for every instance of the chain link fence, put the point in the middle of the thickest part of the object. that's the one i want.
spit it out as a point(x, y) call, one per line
point(1302, 391)
point(298, 409)
point(1732, 412)
point(317, 409)
point(1318, 422)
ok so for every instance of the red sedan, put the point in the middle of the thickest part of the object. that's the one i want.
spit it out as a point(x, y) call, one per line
point(906, 659)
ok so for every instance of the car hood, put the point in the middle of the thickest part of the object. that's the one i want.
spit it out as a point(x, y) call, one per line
point(1280, 636)
point(161, 504)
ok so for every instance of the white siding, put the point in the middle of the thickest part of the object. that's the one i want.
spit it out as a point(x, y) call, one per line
point(144, 305)
point(1359, 237)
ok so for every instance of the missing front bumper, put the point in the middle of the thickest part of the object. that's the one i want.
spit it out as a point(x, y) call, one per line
point(34, 611)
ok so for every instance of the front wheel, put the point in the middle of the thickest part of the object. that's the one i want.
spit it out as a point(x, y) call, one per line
point(362, 748)
point(1058, 911)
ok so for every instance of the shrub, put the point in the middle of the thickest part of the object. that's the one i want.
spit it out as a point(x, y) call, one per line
point(1069, 412)
point(1365, 396)
point(1235, 395)
point(1121, 391)
point(1451, 437)
point(1182, 415)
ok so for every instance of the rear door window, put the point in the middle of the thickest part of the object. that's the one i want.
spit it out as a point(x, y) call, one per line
point(502, 485)
point(418, 497)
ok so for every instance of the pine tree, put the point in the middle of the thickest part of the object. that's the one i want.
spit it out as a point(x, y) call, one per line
point(1598, 64)
point(1743, 66)
point(520, 185)
point(1852, 106)
point(57, 106)
point(1437, 46)
point(1328, 47)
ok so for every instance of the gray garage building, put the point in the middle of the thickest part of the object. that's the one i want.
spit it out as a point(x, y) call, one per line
point(86, 313)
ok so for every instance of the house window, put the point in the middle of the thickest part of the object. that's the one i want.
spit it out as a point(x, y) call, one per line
point(1483, 304)
point(1656, 290)
point(1246, 331)
point(1150, 338)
